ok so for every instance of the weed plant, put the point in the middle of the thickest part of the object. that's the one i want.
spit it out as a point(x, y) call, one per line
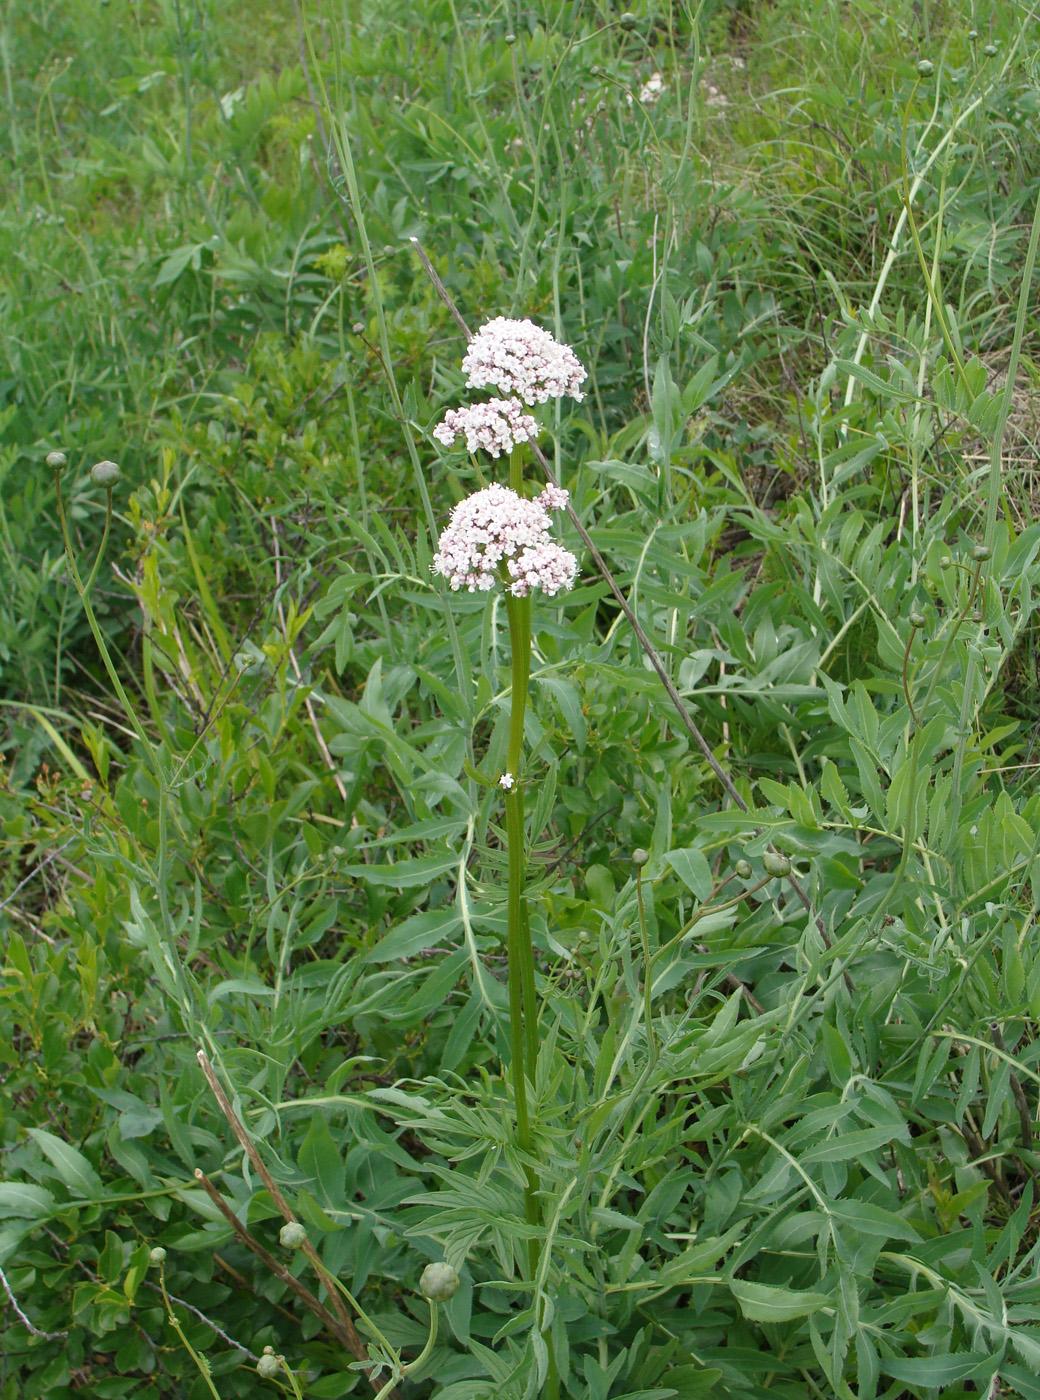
point(769, 891)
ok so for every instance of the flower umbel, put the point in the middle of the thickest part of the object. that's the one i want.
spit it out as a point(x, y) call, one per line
point(496, 535)
point(496, 426)
point(520, 358)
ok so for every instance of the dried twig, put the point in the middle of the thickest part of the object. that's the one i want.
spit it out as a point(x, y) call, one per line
point(29, 1326)
point(273, 1264)
point(350, 1335)
point(190, 1307)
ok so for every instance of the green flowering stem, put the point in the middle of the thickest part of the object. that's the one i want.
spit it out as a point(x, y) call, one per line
point(201, 1364)
point(419, 1362)
point(523, 1006)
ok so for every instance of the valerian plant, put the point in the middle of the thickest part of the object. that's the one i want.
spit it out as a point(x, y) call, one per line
point(703, 831)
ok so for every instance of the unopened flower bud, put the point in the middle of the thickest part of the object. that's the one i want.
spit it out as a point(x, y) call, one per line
point(104, 473)
point(639, 856)
point(510, 38)
point(945, 562)
point(627, 20)
point(157, 1255)
point(56, 459)
point(916, 619)
point(980, 553)
point(973, 33)
point(438, 1282)
point(292, 1236)
point(776, 864)
point(990, 50)
point(926, 67)
point(268, 1366)
point(742, 869)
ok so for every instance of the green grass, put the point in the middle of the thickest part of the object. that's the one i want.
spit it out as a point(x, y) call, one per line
point(814, 1174)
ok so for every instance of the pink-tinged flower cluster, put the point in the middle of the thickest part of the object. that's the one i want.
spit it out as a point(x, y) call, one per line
point(496, 534)
point(520, 358)
point(548, 567)
point(496, 426)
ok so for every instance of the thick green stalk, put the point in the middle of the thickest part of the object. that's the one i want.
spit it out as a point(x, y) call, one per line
point(523, 1011)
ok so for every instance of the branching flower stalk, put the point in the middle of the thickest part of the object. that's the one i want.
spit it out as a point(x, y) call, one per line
point(497, 538)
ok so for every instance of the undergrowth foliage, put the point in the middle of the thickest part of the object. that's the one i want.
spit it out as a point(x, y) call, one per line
point(259, 1130)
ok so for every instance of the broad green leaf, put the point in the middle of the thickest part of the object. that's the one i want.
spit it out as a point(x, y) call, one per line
point(70, 1164)
point(691, 866)
point(21, 1198)
point(764, 1302)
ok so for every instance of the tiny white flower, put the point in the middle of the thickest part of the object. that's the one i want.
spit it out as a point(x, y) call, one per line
point(496, 426)
point(518, 357)
point(554, 497)
point(651, 89)
point(496, 535)
point(507, 781)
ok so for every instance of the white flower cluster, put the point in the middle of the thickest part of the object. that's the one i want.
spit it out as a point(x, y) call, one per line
point(494, 530)
point(518, 357)
point(496, 426)
point(651, 89)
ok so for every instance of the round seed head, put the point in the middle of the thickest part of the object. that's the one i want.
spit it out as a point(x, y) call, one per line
point(157, 1255)
point(510, 38)
point(56, 459)
point(292, 1236)
point(926, 67)
point(776, 864)
point(268, 1366)
point(980, 553)
point(438, 1282)
point(990, 50)
point(946, 562)
point(916, 619)
point(640, 856)
point(973, 34)
point(104, 473)
point(627, 20)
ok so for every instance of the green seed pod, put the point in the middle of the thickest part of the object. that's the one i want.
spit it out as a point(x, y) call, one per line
point(627, 20)
point(776, 864)
point(104, 473)
point(980, 553)
point(268, 1366)
point(157, 1255)
point(742, 869)
point(438, 1282)
point(640, 857)
point(56, 460)
point(926, 67)
point(292, 1236)
point(916, 619)
point(990, 50)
